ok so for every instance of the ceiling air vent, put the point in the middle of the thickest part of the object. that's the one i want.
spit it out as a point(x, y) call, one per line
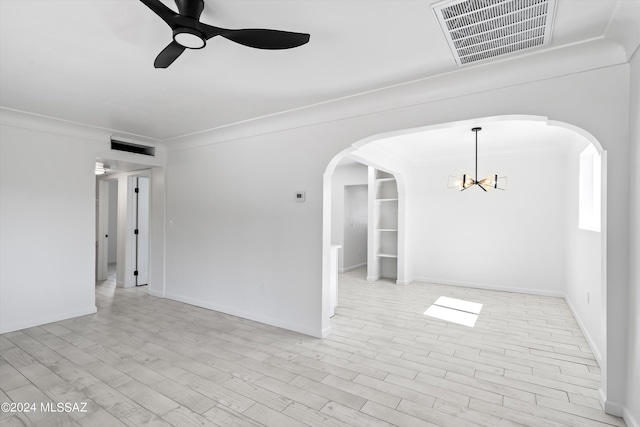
point(482, 29)
point(132, 147)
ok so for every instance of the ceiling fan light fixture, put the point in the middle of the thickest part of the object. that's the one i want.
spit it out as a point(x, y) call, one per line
point(189, 38)
point(190, 33)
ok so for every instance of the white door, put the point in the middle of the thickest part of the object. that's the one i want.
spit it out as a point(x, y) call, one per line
point(142, 225)
point(102, 230)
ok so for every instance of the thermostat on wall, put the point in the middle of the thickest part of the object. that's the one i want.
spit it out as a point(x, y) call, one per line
point(300, 196)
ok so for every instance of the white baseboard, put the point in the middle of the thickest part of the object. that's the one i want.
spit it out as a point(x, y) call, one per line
point(613, 408)
point(602, 398)
point(486, 286)
point(585, 332)
point(155, 293)
point(630, 419)
point(353, 267)
point(326, 331)
point(248, 315)
point(373, 278)
point(617, 410)
point(47, 319)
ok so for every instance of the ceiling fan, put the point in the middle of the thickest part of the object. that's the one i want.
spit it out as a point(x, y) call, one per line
point(190, 33)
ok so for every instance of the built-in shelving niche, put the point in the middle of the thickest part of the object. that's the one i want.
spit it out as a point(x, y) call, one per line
point(383, 226)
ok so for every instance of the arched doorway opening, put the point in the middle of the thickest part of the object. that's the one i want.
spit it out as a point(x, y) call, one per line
point(529, 239)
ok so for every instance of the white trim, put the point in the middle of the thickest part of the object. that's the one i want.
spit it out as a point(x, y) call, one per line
point(629, 418)
point(318, 333)
point(613, 408)
point(353, 267)
point(602, 396)
point(487, 286)
point(592, 345)
point(155, 293)
point(32, 121)
point(616, 409)
point(595, 53)
point(47, 319)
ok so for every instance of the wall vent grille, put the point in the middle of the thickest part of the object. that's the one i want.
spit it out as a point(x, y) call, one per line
point(131, 147)
point(477, 30)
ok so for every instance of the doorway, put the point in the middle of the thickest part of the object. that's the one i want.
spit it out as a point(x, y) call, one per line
point(112, 230)
point(140, 207)
point(122, 228)
point(355, 221)
point(439, 229)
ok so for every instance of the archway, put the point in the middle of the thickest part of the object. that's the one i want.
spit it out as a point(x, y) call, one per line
point(372, 151)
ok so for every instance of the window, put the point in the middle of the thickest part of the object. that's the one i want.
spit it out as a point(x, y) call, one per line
point(590, 189)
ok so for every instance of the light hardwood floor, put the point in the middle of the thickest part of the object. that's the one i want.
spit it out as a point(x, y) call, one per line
point(143, 360)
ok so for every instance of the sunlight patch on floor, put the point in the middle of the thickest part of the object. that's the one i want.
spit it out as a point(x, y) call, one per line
point(455, 310)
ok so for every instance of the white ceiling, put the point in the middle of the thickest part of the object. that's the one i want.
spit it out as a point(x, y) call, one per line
point(418, 147)
point(91, 61)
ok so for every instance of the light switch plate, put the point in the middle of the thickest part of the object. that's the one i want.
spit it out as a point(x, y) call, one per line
point(300, 196)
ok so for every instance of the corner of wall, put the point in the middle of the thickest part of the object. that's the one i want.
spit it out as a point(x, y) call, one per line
point(630, 419)
point(592, 345)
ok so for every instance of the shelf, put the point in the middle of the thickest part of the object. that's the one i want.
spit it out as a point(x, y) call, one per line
point(387, 255)
point(383, 225)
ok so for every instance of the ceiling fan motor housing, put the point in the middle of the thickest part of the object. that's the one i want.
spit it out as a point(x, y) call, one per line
point(191, 8)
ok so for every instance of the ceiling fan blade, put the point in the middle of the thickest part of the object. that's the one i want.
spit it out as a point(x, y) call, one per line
point(266, 39)
point(258, 38)
point(161, 10)
point(168, 55)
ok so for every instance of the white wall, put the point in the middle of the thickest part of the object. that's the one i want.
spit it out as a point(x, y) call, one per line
point(488, 240)
point(113, 222)
point(584, 262)
point(510, 240)
point(243, 215)
point(47, 218)
point(47, 224)
point(354, 245)
point(632, 416)
point(345, 174)
point(237, 240)
point(157, 232)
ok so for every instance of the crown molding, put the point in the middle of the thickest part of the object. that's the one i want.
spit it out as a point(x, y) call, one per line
point(512, 71)
point(26, 120)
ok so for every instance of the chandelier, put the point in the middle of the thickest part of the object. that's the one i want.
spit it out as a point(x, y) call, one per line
point(492, 181)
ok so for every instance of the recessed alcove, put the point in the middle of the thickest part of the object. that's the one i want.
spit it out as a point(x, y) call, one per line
point(525, 239)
